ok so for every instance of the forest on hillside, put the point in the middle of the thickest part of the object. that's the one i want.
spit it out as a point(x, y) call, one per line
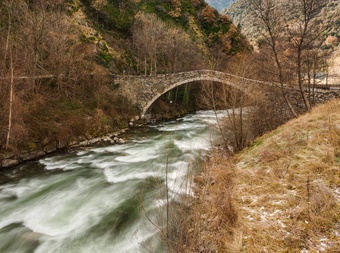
point(56, 58)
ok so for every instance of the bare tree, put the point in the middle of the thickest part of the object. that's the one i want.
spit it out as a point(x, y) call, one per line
point(36, 39)
point(148, 33)
point(209, 99)
point(316, 63)
point(268, 20)
point(290, 27)
point(304, 34)
point(176, 44)
point(163, 47)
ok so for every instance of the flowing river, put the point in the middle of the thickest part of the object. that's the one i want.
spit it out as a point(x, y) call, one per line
point(104, 198)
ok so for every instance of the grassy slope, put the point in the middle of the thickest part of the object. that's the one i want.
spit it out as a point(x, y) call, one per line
point(285, 190)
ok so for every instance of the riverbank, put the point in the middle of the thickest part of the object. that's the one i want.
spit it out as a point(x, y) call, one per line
point(11, 159)
point(43, 146)
point(282, 194)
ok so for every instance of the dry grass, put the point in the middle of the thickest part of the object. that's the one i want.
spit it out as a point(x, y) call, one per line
point(283, 192)
point(213, 214)
point(288, 186)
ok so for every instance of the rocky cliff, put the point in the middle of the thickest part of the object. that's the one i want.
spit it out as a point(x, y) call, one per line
point(329, 18)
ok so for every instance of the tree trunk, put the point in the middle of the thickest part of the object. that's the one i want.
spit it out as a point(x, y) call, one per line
point(10, 101)
point(167, 198)
point(176, 95)
point(11, 77)
point(300, 81)
point(314, 82)
point(284, 93)
point(224, 139)
point(272, 43)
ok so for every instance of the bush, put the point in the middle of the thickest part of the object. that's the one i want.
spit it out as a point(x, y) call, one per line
point(120, 19)
point(106, 57)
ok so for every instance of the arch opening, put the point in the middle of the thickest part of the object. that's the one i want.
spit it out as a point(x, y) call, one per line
point(189, 96)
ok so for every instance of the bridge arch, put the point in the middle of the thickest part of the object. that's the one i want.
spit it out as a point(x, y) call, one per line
point(145, 90)
point(146, 108)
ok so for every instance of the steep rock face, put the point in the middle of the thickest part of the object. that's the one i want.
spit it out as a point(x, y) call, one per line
point(329, 17)
point(240, 13)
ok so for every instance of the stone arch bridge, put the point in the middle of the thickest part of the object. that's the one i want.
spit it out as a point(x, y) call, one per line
point(145, 90)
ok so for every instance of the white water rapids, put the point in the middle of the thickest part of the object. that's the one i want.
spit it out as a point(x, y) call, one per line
point(97, 199)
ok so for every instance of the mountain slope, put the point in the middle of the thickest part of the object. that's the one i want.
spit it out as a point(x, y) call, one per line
point(329, 17)
point(206, 28)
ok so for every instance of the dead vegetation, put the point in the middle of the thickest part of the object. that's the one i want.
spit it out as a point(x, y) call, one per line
point(280, 195)
point(211, 216)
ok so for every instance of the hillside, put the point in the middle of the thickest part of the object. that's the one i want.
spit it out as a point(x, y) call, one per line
point(64, 52)
point(329, 18)
point(282, 194)
point(140, 33)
